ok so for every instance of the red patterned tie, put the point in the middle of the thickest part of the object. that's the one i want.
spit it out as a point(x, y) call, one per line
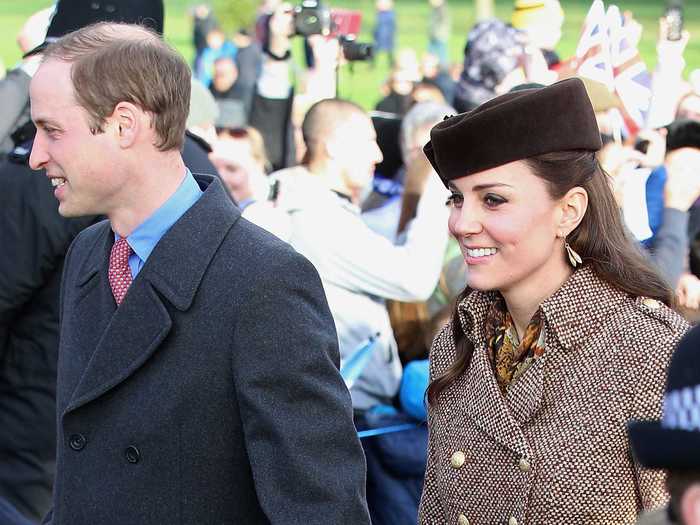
point(119, 271)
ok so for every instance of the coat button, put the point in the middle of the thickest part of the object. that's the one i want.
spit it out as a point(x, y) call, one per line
point(462, 520)
point(457, 459)
point(651, 303)
point(524, 465)
point(132, 454)
point(512, 521)
point(77, 442)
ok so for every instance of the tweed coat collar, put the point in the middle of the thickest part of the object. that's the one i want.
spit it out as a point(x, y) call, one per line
point(570, 316)
point(125, 337)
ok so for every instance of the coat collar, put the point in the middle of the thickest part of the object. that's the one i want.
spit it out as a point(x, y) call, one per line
point(207, 221)
point(125, 337)
point(570, 315)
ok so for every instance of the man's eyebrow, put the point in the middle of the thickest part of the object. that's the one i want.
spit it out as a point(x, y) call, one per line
point(42, 121)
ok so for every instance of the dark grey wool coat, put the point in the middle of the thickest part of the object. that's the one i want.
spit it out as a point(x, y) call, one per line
point(211, 395)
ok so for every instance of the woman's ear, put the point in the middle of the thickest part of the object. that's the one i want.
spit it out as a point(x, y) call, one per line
point(573, 207)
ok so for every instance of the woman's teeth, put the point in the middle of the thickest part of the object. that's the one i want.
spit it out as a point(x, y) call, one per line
point(58, 182)
point(481, 252)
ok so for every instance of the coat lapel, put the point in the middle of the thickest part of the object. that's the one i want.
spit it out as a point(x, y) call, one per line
point(170, 278)
point(524, 395)
point(87, 316)
point(487, 408)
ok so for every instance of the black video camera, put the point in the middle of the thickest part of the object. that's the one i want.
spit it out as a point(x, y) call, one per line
point(311, 17)
point(354, 51)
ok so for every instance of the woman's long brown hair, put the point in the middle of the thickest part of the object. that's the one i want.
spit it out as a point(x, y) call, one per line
point(601, 240)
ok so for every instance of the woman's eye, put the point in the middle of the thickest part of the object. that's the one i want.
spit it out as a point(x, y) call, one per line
point(493, 201)
point(455, 200)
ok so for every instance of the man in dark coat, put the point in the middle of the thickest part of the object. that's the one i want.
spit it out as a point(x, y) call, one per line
point(197, 372)
point(36, 239)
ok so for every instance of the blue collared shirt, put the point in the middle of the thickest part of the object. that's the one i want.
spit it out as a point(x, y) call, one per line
point(145, 237)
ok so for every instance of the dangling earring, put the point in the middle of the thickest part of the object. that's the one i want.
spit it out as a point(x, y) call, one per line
point(574, 258)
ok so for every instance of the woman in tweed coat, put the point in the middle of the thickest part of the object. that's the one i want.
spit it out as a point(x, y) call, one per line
point(562, 335)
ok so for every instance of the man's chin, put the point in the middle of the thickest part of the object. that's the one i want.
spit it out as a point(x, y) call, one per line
point(65, 210)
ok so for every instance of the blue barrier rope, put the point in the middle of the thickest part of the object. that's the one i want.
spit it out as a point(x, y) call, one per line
point(387, 430)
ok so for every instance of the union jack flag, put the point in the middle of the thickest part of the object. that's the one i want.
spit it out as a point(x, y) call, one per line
point(632, 81)
point(593, 50)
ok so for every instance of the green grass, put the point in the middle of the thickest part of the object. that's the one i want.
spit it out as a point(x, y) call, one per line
point(363, 82)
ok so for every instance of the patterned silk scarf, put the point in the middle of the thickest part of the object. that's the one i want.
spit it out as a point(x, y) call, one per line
point(511, 357)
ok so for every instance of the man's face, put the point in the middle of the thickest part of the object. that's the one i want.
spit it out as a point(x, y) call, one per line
point(79, 163)
point(356, 151)
point(225, 74)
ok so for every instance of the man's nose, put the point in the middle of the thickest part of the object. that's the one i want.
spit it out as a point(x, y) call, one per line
point(38, 156)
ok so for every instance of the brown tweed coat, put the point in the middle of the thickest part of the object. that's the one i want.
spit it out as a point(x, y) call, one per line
point(554, 449)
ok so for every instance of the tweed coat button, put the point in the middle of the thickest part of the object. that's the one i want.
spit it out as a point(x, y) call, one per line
point(524, 465)
point(512, 521)
point(651, 303)
point(77, 442)
point(457, 459)
point(462, 520)
point(132, 454)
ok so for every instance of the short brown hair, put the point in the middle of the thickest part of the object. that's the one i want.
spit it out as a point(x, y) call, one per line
point(114, 63)
point(322, 119)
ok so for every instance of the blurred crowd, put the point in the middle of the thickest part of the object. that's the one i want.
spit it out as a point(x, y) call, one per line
point(352, 191)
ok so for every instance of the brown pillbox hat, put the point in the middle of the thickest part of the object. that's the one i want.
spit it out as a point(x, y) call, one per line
point(512, 127)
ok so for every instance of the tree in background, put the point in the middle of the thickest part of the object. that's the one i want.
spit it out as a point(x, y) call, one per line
point(235, 14)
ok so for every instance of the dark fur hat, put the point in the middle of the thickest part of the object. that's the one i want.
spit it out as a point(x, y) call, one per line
point(512, 127)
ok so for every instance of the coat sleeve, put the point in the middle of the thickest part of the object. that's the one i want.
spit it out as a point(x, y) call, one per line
point(671, 245)
point(305, 456)
point(363, 261)
point(647, 406)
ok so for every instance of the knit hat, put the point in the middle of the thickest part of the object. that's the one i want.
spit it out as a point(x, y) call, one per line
point(493, 50)
point(514, 126)
point(674, 442)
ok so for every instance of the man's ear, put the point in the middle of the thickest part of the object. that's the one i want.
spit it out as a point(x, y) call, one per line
point(690, 505)
point(573, 207)
point(128, 121)
point(332, 147)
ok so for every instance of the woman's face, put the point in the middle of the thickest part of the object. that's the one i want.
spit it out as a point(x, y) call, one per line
point(507, 226)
